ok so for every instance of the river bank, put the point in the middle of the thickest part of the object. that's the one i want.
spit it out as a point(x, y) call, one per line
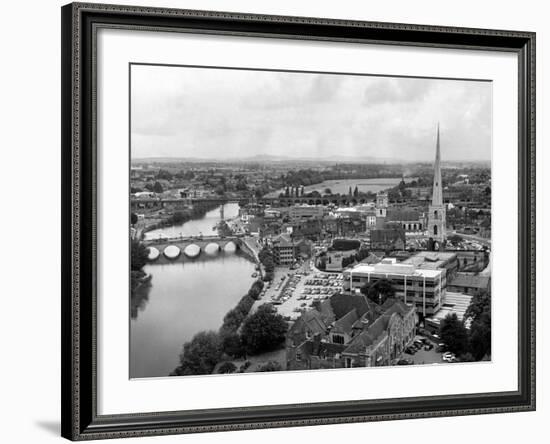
point(179, 218)
point(185, 297)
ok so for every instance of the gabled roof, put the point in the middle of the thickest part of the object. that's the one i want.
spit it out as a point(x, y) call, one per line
point(283, 240)
point(314, 321)
point(311, 348)
point(342, 304)
point(376, 331)
point(402, 215)
point(345, 323)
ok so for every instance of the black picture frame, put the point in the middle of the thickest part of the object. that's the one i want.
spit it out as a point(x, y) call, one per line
point(79, 391)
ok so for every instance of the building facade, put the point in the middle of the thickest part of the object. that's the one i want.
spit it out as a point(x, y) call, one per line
point(298, 213)
point(347, 331)
point(423, 287)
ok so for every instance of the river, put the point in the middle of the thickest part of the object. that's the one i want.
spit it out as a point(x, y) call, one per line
point(203, 226)
point(183, 298)
point(342, 186)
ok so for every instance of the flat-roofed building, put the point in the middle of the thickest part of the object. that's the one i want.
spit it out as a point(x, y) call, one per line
point(423, 287)
point(299, 213)
point(452, 302)
point(435, 260)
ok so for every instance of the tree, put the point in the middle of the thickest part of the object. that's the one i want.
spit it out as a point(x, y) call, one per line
point(232, 345)
point(200, 355)
point(454, 334)
point(356, 191)
point(133, 218)
point(255, 290)
point(287, 191)
point(163, 174)
point(138, 254)
point(455, 239)
point(480, 337)
point(328, 191)
point(232, 321)
point(157, 187)
point(349, 191)
point(480, 303)
point(379, 290)
point(263, 330)
point(227, 367)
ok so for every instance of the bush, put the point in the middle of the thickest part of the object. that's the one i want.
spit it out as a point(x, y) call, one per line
point(243, 367)
point(138, 255)
point(271, 366)
point(345, 244)
point(227, 367)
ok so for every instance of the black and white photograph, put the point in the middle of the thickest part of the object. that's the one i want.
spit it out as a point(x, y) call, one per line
point(306, 221)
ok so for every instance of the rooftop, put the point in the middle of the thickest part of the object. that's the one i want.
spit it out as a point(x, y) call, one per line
point(471, 280)
point(452, 303)
point(430, 259)
point(401, 269)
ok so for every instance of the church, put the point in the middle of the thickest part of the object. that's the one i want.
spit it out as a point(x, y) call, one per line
point(436, 226)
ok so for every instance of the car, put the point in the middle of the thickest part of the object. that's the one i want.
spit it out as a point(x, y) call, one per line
point(410, 351)
point(405, 362)
point(428, 347)
point(448, 357)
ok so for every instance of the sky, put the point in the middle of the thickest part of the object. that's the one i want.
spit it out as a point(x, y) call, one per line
point(227, 114)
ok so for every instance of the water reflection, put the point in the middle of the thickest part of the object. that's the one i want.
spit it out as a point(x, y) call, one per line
point(139, 298)
point(184, 297)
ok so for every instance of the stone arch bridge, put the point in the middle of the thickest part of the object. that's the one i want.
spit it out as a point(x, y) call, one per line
point(193, 246)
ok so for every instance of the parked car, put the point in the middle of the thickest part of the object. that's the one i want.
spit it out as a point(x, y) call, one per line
point(428, 347)
point(448, 357)
point(405, 362)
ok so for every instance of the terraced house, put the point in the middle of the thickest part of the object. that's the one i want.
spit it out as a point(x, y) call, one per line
point(347, 331)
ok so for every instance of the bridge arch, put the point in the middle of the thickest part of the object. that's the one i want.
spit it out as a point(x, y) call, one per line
point(230, 247)
point(172, 252)
point(212, 248)
point(153, 254)
point(192, 251)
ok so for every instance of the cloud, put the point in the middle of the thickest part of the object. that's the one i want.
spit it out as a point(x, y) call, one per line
point(219, 113)
point(397, 90)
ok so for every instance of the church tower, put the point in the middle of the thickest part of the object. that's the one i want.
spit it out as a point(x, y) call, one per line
point(437, 229)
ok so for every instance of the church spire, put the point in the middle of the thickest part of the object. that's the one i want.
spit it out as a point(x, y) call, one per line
point(437, 195)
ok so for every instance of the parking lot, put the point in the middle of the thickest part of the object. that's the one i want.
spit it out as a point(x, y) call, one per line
point(293, 291)
point(423, 356)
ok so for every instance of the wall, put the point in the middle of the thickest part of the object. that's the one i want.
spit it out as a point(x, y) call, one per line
point(30, 319)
